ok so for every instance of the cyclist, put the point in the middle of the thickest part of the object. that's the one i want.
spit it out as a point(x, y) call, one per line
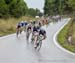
point(42, 33)
point(35, 34)
point(22, 23)
point(41, 36)
point(46, 21)
point(43, 21)
point(28, 30)
point(40, 24)
point(18, 28)
point(33, 22)
point(25, 24)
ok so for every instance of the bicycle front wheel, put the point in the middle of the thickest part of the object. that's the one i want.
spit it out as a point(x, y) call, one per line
point(39, 45)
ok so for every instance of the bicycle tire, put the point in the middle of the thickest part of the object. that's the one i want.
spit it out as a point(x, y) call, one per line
point(17, 33)
point(39, 45)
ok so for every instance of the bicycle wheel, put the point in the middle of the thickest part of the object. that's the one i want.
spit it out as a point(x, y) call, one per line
point(17, 33)
point(27, 36)
point(39, 45)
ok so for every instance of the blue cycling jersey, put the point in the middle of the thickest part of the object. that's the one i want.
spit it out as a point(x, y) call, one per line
point(22, 24)
point(25, 23)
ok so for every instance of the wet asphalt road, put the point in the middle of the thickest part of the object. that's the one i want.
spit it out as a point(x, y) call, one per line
point(18, 50)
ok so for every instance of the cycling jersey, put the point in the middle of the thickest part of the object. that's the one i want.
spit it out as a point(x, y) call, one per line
point(43, 32)
point(36, 28)
point(46, 21)
point(29, 26)
point(34, 22)
point(18, 25)
point(25, 23)
point(22, 23)
point(40, 24)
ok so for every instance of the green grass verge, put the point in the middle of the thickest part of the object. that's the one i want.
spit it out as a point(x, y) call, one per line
point(61, 38)
point(8, 26)
point(6, 32)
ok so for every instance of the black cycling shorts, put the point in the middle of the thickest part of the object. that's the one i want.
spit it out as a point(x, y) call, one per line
point(29, 28)
point(18, 26)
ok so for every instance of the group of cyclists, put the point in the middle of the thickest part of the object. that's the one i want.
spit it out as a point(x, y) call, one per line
point(34, 28)
point(20, 26)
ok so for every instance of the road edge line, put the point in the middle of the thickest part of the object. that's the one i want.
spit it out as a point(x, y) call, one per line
point(3, 37)
point(56, 42)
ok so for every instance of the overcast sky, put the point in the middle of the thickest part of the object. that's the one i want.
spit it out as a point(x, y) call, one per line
point(35, 4)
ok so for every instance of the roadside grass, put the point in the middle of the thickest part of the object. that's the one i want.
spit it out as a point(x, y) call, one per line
point(8, 26)
point(63, 35)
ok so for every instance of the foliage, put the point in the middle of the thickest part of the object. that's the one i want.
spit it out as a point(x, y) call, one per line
point(64, 34)
point(53, 7)
point(16, 8)
point(12, 8)
point(33, 12)
point(3, 9)
point(8, 26)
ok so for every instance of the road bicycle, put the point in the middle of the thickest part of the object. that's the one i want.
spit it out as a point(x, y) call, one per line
point(39, 42)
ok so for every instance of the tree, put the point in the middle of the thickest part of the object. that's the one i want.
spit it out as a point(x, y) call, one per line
point(53, 7)
point(12, 8)
point(17, 8)
point(33, 12)
point(3, 9)
point(71, 4)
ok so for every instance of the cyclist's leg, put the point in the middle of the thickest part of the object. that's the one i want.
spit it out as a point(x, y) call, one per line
point(24, 28)
point(17, 32)
point(26, 34)
point(20, 30)
point(39, 43)
point(35, 41)
point(32, 37)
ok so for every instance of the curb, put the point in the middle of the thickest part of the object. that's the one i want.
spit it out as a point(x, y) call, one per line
point(3, 37)
point(56, 42)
